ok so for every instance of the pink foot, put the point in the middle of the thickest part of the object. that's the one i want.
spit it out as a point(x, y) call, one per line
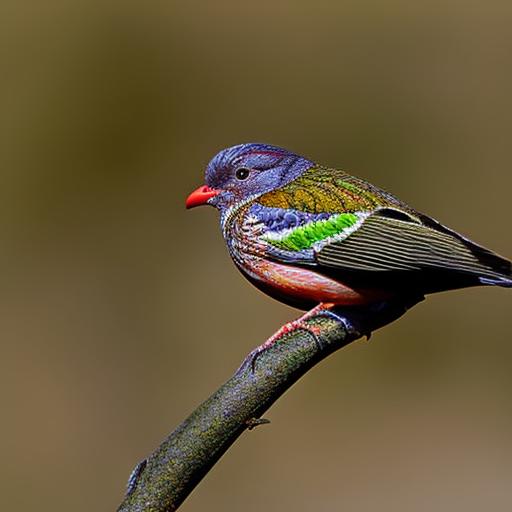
point(298, 324)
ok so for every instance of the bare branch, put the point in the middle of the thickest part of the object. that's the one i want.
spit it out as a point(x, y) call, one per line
point(163, 481)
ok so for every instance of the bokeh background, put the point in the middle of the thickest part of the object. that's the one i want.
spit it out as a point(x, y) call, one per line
point(120, 311)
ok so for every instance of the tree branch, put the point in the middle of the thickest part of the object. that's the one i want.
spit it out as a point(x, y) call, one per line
point(163, 481)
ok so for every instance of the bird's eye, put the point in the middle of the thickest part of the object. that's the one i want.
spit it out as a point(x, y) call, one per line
point(242, 173)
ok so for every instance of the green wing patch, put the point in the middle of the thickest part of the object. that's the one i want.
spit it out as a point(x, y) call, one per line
point(304, 237)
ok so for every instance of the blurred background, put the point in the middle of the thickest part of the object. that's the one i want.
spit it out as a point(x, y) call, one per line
point(121, 311)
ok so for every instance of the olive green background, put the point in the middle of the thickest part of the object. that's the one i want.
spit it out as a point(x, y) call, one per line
point(120, 311)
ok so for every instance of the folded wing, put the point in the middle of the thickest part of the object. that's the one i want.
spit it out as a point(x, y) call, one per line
point(415, 251)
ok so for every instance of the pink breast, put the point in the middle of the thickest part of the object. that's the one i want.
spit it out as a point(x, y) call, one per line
point(307, 285)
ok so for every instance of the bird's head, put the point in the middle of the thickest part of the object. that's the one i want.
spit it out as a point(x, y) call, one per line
point(246, 171)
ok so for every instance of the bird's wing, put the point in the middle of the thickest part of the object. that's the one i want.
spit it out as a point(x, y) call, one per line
point(388, 242)
point(365, 232)
point(390, 248)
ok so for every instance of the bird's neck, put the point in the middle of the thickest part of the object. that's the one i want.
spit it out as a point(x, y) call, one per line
point(230, 215)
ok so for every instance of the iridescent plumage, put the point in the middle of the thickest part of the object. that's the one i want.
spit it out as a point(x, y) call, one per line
point(307, 234)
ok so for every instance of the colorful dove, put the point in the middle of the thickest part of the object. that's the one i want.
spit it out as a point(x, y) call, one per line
point(310, 235)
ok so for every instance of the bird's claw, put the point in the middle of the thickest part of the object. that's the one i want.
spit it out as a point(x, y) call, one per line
point(294, 326)
point(327, 313)
point(299, 324)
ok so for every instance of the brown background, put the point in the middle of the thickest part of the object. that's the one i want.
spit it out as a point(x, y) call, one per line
point(120, 311)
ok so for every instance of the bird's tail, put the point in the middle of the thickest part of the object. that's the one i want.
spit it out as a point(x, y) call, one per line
point(488, 268)
point(495, 269)
point(500, 281)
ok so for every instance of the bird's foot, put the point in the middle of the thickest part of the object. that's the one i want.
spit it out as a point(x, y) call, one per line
point(322, 310)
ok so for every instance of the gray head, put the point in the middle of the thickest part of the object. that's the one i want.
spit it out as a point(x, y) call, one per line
point(245, 171)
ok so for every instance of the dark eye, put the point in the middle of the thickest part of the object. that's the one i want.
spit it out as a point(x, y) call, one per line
point(242, 173)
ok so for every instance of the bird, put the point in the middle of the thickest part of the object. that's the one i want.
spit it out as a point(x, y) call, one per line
point(317, 238)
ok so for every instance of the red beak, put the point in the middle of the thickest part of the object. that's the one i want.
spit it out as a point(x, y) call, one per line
point(200, 196)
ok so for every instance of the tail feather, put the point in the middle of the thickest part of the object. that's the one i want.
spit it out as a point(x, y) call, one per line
point(495, 269)
point(500, 281)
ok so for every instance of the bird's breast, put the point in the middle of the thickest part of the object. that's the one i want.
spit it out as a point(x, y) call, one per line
point(294, 285)
point(302, 287)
